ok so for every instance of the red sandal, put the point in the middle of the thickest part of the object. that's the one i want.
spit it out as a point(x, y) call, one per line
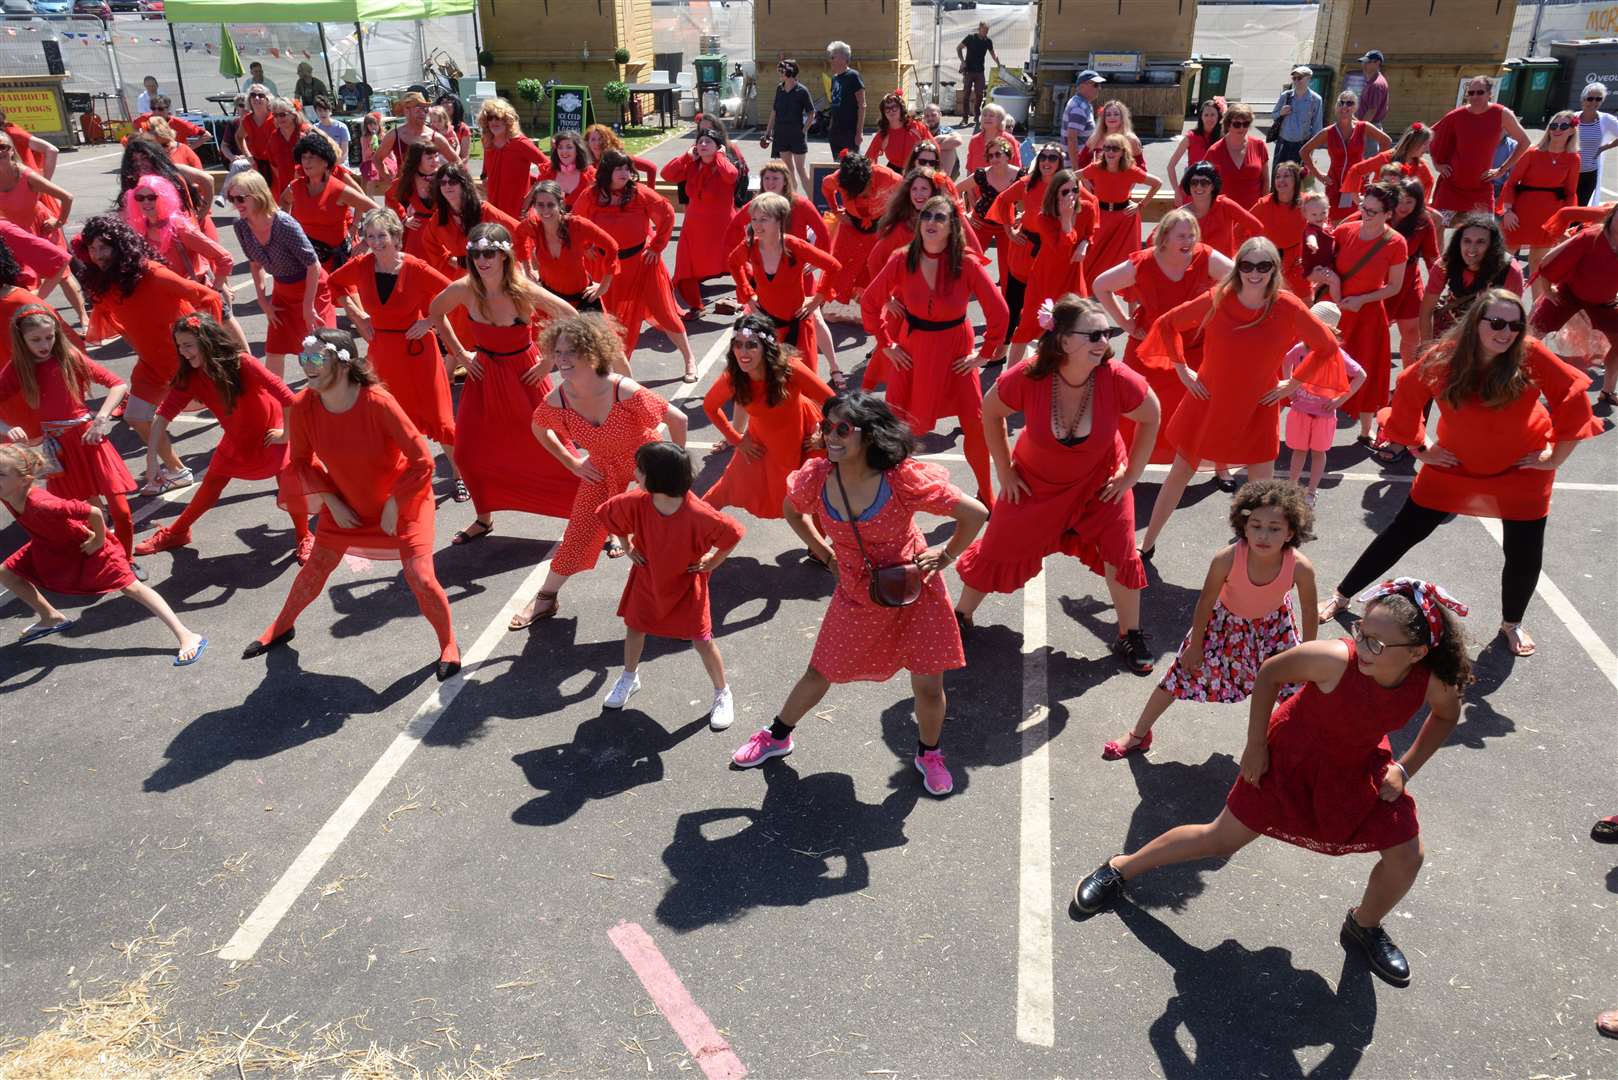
point(1115, 750)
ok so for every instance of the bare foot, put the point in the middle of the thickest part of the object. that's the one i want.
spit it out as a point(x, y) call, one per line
point(1517, 639)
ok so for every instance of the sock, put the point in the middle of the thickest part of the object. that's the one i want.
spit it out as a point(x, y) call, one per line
point(779, 731)
point(923, 748)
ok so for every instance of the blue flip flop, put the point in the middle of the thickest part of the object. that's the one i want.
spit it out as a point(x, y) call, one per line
point(44, 631)
point(201, 645)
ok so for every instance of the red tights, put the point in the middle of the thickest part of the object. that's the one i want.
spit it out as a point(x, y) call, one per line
point(208, 493)
point(123, 524)
point(977, 457)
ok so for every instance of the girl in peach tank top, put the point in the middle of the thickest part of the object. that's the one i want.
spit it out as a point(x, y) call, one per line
point(1245, 613)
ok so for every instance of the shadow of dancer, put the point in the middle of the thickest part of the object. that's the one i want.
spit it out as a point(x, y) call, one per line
point(609, 755)
point(1172, 793)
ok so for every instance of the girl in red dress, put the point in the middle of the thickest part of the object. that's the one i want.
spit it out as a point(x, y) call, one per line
point(856, 511)
point(457, 210)
point(898, 223)
point(1231, 412)
point(1060, 237)
point(641, 221)
point(357, 456)
point(710, 189)
point(599, 138)
point(509, 156)
point(1583, 270)
point(1024, 197)
point(1281, 216)
point(248, 402)
point(1475, 261)
point(506, 379)
point(1545, 180)
point(897, 132)
point(1195, 144)
point(1318, 772)
point(323, 203)
point(388, 296)
point(69, 551)
point(411, 196)
point(607, 417)
point(1111, 119)
point(569, 167)
point(676, 542)
point(1244, 614)
point(774, 274)
point(1347, 141)
point(1412, 222)
point(279, 251)
point(1112, 176)
point(570, 255)
point(1225, 225)
point(929, 344)
point(1406, 154)
point(1464, 143)
point(782, 398)
point(1241, 158)
point(1494, 452)
point(1067, 485)
point(858, 195)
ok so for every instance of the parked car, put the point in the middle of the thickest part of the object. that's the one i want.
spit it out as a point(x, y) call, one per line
point(124, 5)
point(52, 7)
point(16, 7)
point(93, 7)
point(151, 9)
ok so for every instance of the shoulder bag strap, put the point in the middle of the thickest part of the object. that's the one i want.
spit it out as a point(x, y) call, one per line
point(1370, 253)
point(852, 523)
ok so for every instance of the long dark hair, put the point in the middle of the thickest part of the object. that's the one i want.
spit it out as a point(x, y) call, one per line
point(129, 172)
point(900, 210)
point(1417, 219)
point(888, 439)
point(412, 169)
point(777, 369)
point(10, 269)
point(470, 215)
point(1447, 660)
point(221, 356)
point(129, 261)
point(1459, 372)
point(1035, 177)
point(1494, 267)
point(1294, 170)
point(554, 190)
point(954, 251)
point(581, 151)
point(611, 161)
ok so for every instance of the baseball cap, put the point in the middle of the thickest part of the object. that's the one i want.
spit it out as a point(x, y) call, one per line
point(1302, 69)
point(1088, 76)
point(1374, 54)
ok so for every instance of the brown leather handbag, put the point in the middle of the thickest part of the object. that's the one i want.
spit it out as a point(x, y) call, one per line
point(898, 585)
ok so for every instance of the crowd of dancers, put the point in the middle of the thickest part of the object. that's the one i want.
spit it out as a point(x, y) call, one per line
point(533, 280)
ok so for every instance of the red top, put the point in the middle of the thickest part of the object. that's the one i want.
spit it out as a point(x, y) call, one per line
point(1155, 294)
point(14, 411)
point(804, 223)
point(1542, 183)
point(145, 319)
point(1352, 248)
point(443, 246)
point(977, 152)
point(1112, 187)
point(1053, 271)
point(648, 219)
point(1283, 225)
point(1362, 173)
point(1438, 277)
point(1569, 216)
point(1227, 226)
point(58, 400)
point(588, 256)
point(52, 560)
point(1241, 181)
point(894, 144)
point(241, 452)
point(253, 136)
point(1023, 198)
point(1587, 267)
point(780, 294)
point(324, 217)
point(181, 127)
point(866, 207)
point(507, 170)
point(663, 596)
point(282, 166)
point(417, 209)
point(1466, 142)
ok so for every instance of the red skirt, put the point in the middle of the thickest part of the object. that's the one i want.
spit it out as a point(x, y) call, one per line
point(1365, 338)
point(89, 470)
point(640, 294)
point(285, 336)
point(68, 570)
point(413, 372)
point(503, 465)
point(931, 388)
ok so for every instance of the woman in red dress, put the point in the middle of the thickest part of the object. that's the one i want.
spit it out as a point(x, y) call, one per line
point(569, 166)
point(929, 345)
point(774, 274)
point(782, 398)
point(1231, 412)
point(1066, 487)
point(896, 133)
point(506, 379)
point(411, 196)
point(1112, 177)
point(1195, 144)
point(287, 127)
point(1412, 221)
point(1177, 268)
point(1475, 261)
point(710, 188)
point(979, 191)
point(1281, 217)
point(599, 138)
point(641, 221)
point(592, 422)
point(69, 551)
point(1545, 180)
point(253, 131)
point(248, 402)
point(1060, 237)
point(509, 156)
point(1024, 197)
point(322, 203)
point(1112, 118)
point(357, 456)
point(1371, 261)
point(278, 251)
point(1464, 142)
point(1583, 272)
point(1225, 225)
point(1347, 141)
point(571, 256)
point(457, 210)
point(1493, 454)
point(993, 125)
point(869, 466)
point(388, 296)
point(32, 202)
point(1318, 772)
point(806, 223)
point(1406, 154)
point(858, 194)
point(1242, 158)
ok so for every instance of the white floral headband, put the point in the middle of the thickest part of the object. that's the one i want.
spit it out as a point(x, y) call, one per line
point(315, 350)
point(483, 243)
point(1047, 314)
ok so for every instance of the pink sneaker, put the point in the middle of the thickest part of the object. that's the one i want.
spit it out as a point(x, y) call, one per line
point(935, 774)
point(761, 748)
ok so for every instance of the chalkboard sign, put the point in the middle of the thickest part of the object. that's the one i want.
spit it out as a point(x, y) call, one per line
point(53, 58)
point(570, 108)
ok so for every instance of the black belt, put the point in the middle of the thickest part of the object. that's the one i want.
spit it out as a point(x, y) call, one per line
point(933, 324)
point(1115, 206)
point(500, 355)
point(624, 253)
point(579, 303)
point(1560, 193)
point(860, 226)
point(792, 326)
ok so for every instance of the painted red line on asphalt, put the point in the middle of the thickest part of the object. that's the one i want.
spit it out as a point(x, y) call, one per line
point(669, 994)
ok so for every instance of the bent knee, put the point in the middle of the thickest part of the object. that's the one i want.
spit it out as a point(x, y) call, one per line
point(1407, 856)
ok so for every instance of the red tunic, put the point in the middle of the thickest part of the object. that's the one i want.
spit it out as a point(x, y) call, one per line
point(1241, 181)
point(1283, 226)
point(89, 469)
point(1117, 235)
point(930, 388)
point(241, 453)
point(324, 217)
point(51, 559)
point(1344, 154)
point(507, 171)
point(1328, 755)
point(1587, 268)
point(253, 136)
point(663, 596)
point(780, 295)
point(365, 456)
point(1365, 332)
point(977, 151)
point(1421, 248)
point(710, 201)
point(1242, 357)
point(895, 144)
point(1054, 272)
point(582, 183)
point(638, 293)
point(589, 255)
point(855, 233)
point(145, 319)
point(1063, 510)
point(1154, 295)
point(760, 487)
point(1466, 142)
point(1540, 185)
point(1225, 227)
point(1362, 173)
point(859, 640)
point(1489, 441)
point(413, 371)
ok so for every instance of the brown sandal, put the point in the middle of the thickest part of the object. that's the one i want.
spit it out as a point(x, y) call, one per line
point(1332, 608)
point(518, 622)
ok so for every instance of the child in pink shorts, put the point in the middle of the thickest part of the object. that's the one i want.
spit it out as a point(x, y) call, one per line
point(1312, 419)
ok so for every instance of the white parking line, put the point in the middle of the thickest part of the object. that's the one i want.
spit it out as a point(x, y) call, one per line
point(77, 159)
point(273, 908)
point(1036, 994)
point(715, 352)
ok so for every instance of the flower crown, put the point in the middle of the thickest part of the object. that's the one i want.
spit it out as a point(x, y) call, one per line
point(483, 243)
point(1047, 314)
point(313, 345)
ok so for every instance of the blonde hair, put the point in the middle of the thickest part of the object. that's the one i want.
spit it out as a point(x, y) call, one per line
point(499, 109)
point(1128, 126)
point(385, 219)
point(1313, 197)
point(439, 114)
point(1127, 156)
point(1572, 134)
point(1171, 221)
point(25, 459)
point(161, 131)
point(770, 205)
point(251, 184)
point(1256, 248)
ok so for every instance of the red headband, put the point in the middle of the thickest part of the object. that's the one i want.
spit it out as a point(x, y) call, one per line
point(1425, 595)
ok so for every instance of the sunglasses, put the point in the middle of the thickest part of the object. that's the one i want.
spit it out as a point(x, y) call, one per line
point(479, 256)
point(1235, 124)
point(1199, 181)
point(932, 163)
point(1113, 150)
point(1263, 266)
point(992, 154)
point(1299, 78)
point(840, 428)
point(1375, 647)
point(449, 181)
point(1057, 158)
point(1594, 99)
point(1497, 325)
point(1477, 93)
point(261, 97)
point(237, 200)
point(1563, 126)
point(939, 217)
point(148, 196)
point(1345, 103)
point(312, 359)
point(1096, 337)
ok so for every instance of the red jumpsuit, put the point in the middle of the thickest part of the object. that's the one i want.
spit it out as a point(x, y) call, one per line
point(760, 487)
point(639, 292)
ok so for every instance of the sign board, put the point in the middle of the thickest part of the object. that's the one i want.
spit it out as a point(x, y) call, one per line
point(1117, 63)
point(570, 108)
point(34, 109)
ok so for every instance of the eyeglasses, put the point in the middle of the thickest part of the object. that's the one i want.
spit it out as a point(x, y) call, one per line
point(146, 196)
point(1235, 124)
point(1263, 266)
point(840, 428)
point(1499, 325)
point(1371, 211)
point(1563, 126)
point(1477, 93)
point(264, 97)
point(936, 217)
point(1113, 150)
point(237, 200)
point(992, 154)
point(1376, 647)
point(1096, 337)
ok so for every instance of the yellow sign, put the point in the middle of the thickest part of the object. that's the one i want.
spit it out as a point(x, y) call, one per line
point(33, 110)
point(1603, 20)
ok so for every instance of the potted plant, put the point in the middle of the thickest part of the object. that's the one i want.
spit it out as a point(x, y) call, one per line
point(620, 56)
point(616, 93)
point(531, 91)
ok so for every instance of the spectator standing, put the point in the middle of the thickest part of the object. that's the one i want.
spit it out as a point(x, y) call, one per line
point(847, 101)
point(790, 117)
point(1598, 133)
point(971, 51)
point(256, 77)
point(1300, 115)
point(1374, 94)
point(143, 104)
point(1079, 115)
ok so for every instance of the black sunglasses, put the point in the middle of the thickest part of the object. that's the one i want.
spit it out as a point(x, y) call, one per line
point(939, 216)
point(1563, 126)
point(146, 196)
point(1264, 266)
point(237, 200)
point(1096, 337)
point(840, 428)
point(1238, 124)
point(449, 181)
point(1477, 93)
point(1514, 325)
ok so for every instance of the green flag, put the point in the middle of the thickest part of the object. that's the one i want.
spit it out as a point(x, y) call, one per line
point(230, 61)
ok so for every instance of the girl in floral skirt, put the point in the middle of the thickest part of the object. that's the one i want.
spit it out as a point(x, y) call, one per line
point(1245, 613)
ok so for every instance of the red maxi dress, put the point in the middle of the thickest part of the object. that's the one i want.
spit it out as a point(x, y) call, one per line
point(1328, 755)
point(1053, 272)
point(1364, 332)
point(638, 293)
point(855, 233)
point(413, 371)
point(662, 596)
point(88, 470)
point(781, 294)
point(710, 202)
point(1154, 295)
point(145, 319)
point(1242, 355)
point(1542, 183)
point(760, 487)
point(1117, 234)
point(859, 640)
point(507, 170)
point(1063, 510)
point(1466, 142)
point(51, 559)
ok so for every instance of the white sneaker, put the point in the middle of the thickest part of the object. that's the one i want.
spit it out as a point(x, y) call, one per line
point(723, 713)
point(174, 481)
point(627, 686)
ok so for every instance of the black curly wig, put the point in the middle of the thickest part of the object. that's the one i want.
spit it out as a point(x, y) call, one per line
point(131, 252)
point(10, 271)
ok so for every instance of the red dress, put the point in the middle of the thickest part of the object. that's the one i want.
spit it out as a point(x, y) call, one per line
point(805, 223)
point(324, 217)
point(89, 470)
point(241, 453)
point(1063, 510)
point(416, 209)
point(1344, 153)
point(663, 597)
point(51, 559)
point(1421, 248)
point(1241, 181)
point(1225, 227)
point(710, 201)
point(859, 640)
point(507, 170)
point(631, 423)
point(780, 295)
point(192, 253)
point(1488, 441)
point(1154, 295)
point(1328, 754)
point(1053, 271)
point(589, 255)
point(855, 233)
point(145, 319)
point(365, 455)
point(413, 371)
point(503, 465)
point(638, 293)
point(1466, 142)
point(935, 333)
point(1117, 236)
point(1283, 225)
point(895, 144)
point(14, 410)
point(760, 487)
point(977, 151)
point(443, 247)
point(1363, 172)
point(1540, 185)
point(1242, 355)
point(1365, 332)
point(1022, 200)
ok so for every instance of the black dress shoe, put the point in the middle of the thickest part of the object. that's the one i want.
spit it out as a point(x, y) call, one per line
point(1097, 891)
point(1227, 483)
point(447, 668)
point(1132, 649)
point(259, 648)
point(1381, 953)
point(963, 622)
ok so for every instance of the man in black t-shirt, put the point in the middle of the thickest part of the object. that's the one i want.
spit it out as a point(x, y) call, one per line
point(971, 51)
point(847, 101)
point(790, 119)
